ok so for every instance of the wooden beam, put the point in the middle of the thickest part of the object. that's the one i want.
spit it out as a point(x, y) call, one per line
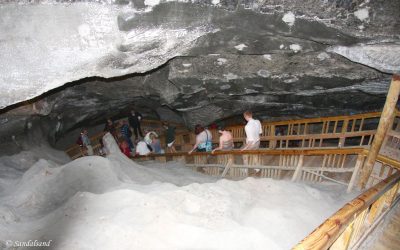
point(349, 150)
point(384, 124)
point(297, 172)
point(359, 163)
point(315, 172)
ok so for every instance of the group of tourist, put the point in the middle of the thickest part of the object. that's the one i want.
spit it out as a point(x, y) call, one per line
point(150, 142)
point(253, 130)
point(144, 144)
point(122, 133)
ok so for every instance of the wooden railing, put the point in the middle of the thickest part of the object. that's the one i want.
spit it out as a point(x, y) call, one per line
point(335, 132)
point(349, 226)
point(308, 165)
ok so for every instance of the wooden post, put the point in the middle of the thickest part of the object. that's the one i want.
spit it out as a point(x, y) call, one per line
point(385, 140)
point(384, 124)
point(272, 143)
point(297, 172)
point(343, 133)
point(228, 164)
point(360, 160)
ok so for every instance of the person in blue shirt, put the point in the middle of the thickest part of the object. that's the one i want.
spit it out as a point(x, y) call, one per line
point(126, 134)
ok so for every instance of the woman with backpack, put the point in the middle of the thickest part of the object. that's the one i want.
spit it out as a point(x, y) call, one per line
point(203, 139)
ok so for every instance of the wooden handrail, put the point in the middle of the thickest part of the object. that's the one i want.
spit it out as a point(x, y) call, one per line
point(321, 135)
point(312, 151)
point(328, 232)
point(269, 128)
point(319, 119)
point(388, 161)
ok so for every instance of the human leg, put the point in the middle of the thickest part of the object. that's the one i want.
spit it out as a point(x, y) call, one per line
point(140, 130)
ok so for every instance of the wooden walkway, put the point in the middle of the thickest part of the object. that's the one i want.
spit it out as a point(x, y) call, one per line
point(387, 235)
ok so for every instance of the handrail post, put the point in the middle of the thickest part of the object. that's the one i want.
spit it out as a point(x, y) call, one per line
point(297, 172)
point(342, 139)
point(272, 143)
point(384, 123)
point(359, 163)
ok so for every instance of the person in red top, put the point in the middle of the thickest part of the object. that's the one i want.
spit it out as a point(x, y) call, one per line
point(125, 148)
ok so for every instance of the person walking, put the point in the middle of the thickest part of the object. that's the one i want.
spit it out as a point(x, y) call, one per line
point(169, 137)
point(110, 127)
point(126, 134)
point(253, 130)
point(156, 145)
point(203, 139)
point(148, 138)
point(141, 148)
point(134, 121)
point(86, 142)
point(225, 140)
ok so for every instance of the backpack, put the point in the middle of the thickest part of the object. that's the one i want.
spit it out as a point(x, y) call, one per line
point(79, 141)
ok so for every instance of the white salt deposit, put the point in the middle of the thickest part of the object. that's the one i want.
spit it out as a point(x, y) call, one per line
point(323, 56)
point(240, 46)
point(384, 57)
point(295, 47)
point(362, 14)
point(263, 73)
point(268, 56)
point(114, 203)
point(151, 2)
point(221, 61)
point(230, 76)
point(289, 18)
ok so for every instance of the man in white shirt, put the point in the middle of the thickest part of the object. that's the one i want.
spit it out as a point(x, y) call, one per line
point(253, 130)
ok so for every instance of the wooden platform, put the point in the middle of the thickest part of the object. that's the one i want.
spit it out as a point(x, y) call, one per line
point(387, 235)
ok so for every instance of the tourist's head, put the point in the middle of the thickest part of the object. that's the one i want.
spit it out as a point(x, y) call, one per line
point(109, 121)
point(84, 131)
point(123, 144)
point(198, 129)
point(248, 115)
point(132, 111)
point(221, 129)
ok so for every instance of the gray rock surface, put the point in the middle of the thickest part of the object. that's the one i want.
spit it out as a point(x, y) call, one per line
point(198, 61)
